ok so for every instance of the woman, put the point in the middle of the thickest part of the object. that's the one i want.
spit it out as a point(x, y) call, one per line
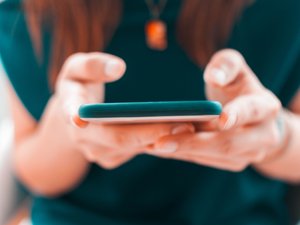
point(231, 172)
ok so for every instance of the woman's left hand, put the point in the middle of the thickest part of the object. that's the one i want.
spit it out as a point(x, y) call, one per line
point(249, 130)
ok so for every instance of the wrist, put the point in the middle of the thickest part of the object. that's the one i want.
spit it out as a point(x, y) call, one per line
point(285, 133)
point(278, 156)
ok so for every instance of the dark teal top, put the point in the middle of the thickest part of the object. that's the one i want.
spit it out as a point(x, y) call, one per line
point(149, 190)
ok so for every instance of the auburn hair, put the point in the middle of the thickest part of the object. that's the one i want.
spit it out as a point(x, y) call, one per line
point(203, 26)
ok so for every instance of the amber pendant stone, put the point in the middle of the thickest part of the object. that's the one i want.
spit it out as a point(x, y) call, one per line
point(156, 34)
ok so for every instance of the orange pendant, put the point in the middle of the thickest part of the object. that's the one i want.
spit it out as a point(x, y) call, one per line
point(156, 35)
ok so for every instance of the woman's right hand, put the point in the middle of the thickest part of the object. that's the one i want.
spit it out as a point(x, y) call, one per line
point(81, 81)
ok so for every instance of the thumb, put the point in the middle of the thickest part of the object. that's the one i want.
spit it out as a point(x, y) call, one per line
point(82, 80)
point(227, 75)
point(249, 109)
point(92, 68)
point(231, 81)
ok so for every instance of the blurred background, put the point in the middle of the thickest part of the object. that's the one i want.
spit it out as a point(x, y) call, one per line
point(3, 103)
point(11, 196)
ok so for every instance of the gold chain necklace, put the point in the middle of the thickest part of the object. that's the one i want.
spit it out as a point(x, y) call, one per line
point(155, 28)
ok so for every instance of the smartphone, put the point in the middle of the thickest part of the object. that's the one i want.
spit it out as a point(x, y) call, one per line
point(151, 112)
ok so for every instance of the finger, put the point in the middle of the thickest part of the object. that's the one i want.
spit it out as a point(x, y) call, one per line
point(212, 125)
point(93, 68)
point(217, 163)
point(115, 161)
point(211, 144)
point(188, 142)
point(81, 81)
point(106, 157)
point(228, 67)
point(255, 143)
point(252, 155)
point(204, 149)
point(133, 136)
point(248, 145)
point(76, 121)
point(74, 96)
point(209, 161)
point(202, 144)
point(249, 109)
point(90, 93)
point(94, 153)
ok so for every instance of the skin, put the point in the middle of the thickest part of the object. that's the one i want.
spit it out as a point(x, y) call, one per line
point(52, 156)
point(246, 134)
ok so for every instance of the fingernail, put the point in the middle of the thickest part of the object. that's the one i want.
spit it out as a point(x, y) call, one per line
point(231, 119)
point(182, 129)
point(113, 68)
point(219, 76)
point(168, 147)
point(77, 122)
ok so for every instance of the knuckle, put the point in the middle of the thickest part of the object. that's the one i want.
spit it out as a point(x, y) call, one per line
point(84, 63)
point(75, 58)
point(92, 62)
point(277, 107)
point(120, 139)
point(128, 139)
point(137, 141)
point(109, 164)
point(227, 147)
point(273, 137)
point(176, 130)
point(89, 155)
point(260, 156)
point(254, 112)
point(275, 103)
point(72, 64)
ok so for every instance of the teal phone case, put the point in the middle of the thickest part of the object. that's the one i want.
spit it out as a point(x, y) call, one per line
point(150, 109)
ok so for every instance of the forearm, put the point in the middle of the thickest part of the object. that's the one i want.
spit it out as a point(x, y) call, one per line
point(46, 163)
point(287, 165)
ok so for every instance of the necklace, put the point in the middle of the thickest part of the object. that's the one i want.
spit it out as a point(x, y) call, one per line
point(155, 28)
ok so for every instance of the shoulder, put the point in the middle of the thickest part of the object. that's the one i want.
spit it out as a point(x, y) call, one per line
point(27, 75)
point(11, 12)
